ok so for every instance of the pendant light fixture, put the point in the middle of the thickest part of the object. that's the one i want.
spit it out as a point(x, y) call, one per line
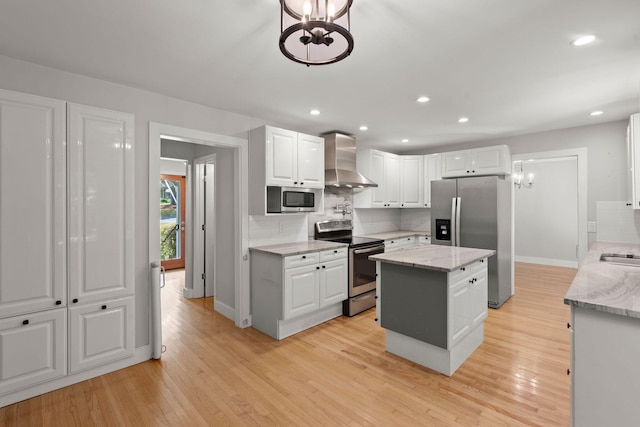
point(315, 32)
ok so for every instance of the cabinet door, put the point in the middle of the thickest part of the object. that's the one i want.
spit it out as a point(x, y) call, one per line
point(633, 161)
point(282, 157)
point(333, 282)
point(101, 255)
point(377, 174)
point(310, 161)
point(479, 294)
point(100, 333)
point(460, 312)
point(490, 161)
point(32, 203)
point(432, 172)
point(301, 291)
point(33, 349)
point(412, 181)
point(456, 163)
point(392, 180)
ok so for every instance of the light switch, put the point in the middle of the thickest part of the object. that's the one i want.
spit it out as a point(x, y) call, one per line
point(591, 226)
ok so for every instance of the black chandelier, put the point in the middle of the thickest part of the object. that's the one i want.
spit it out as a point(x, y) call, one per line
point(315, 32)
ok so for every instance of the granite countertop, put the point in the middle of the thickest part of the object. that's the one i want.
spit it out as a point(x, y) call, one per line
point(435, 257)
point(388, 235)
point(297, 248)
point(607, 287)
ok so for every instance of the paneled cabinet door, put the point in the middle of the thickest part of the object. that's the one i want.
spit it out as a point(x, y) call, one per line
point(479, 294)
point(490, 160)
point(376, 173)
point(392, 180)
point(33, 350)
point(333, 282)
point(32, 203)
point(310, 161)
point(100, 333)
point(460, 316)
point(456, 163)
point(432, 172)
point(412, 181)
point(301, 291)
point(282, 157)
point(101, 216)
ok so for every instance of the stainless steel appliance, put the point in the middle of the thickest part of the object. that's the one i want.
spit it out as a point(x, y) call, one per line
point(340, 163)
point(362, 271)
point(290, 199)
point(476, 213)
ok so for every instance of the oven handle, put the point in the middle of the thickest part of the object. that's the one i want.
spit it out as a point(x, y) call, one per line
point(368, 250)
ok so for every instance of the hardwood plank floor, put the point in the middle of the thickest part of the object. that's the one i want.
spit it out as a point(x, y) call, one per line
point(338, 373)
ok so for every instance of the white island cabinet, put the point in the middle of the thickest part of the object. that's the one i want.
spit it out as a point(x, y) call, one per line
point(432, 302)
point(297, 285)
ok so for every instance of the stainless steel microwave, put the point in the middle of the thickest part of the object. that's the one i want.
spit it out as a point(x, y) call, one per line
point(290, 199)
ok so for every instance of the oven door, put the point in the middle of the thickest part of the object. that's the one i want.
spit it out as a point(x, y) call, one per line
point(362, 271)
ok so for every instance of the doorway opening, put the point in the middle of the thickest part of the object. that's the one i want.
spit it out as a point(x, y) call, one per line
point(173, 201)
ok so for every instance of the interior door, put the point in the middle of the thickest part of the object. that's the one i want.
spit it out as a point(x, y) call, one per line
point(172, 221)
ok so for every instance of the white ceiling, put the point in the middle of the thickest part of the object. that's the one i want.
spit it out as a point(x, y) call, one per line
point(505, 64)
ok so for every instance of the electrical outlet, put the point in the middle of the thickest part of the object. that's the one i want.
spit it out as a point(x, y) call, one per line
point(591, 226)
point(281, 228)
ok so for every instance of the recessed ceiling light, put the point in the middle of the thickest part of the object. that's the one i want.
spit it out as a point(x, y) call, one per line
point(314, 112)
point(581, 41)
point(363, 128)
point(405, 140)
point(597, 113)
point(463, 119)
point(423, 99)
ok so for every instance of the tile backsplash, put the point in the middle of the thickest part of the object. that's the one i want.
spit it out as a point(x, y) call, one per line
point(617, 222)
point(271, 230)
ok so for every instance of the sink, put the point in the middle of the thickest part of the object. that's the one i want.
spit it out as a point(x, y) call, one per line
point(625, 259)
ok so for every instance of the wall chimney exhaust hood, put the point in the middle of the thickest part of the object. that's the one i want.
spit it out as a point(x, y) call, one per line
point(340, 163)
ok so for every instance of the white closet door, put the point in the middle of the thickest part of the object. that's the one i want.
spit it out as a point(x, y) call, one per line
point(100, 204)
point(32, 203)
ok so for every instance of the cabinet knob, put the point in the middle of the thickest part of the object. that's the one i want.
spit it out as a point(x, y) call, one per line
point(467, 171)
point(324, 266)
point(104, 307)
point(58, 302)
point(75, 300)
point(317, 268)
point(375, 297)
point(463, 269)
point(295, 182)
point(25, 322)
point(335, 252)
point(304, 257)
point(409, 238)
point(568, 325)
point(402, 204)
point(473, 171)
point(302, 183)
point(376, 319)
point(568, 371)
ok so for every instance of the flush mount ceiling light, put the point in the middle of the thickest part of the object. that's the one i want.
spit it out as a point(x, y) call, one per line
point(581, 41)
point(423, 99)
point(463, 120)
point(596, 113)
point(315, 32)
point(314, 112)
point(364, 127)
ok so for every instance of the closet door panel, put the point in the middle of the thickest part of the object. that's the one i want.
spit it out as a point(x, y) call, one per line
point(32, 203)
point(101, 204)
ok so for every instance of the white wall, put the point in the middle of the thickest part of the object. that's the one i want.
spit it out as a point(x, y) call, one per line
point(617, 222)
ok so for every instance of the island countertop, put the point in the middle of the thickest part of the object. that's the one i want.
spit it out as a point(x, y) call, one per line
point(607, 287)
point(297, 248)
point(434, 257)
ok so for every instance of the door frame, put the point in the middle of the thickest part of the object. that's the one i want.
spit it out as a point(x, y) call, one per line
point(581, 154)
point(204, 203)
point(159, 131)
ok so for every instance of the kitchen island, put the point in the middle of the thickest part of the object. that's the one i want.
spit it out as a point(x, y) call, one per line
point(432, 301)
point(605, 337)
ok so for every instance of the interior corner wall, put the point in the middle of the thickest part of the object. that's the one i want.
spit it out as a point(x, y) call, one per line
point(21, 76)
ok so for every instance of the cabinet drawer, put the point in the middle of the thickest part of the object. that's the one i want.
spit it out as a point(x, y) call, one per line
point(100, 333)
point(459, 274)
point(301, 260)
point(478, 266)
point(333, 254)
point(33, 350)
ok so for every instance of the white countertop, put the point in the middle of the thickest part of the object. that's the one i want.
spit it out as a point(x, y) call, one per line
point(607, 287)
point(434, 257)
point(297, 248)
point(389, 235)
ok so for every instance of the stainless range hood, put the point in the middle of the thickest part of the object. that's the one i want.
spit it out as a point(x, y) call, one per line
point(340, 163)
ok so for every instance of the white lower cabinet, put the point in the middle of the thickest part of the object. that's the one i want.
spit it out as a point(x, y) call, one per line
point(100, 333)
point(293, 293)
point(33, 349)
point(468, 300)
point(392, 245)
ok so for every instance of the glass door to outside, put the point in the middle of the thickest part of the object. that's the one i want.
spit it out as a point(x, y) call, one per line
point(172, 221)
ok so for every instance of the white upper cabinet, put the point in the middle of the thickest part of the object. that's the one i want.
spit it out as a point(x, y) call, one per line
point(411, 181)
point(101, 216)
point(383, 169)
point(633, 161)
point(32, 203)
point(432, 172)
point(293, 159)
point(494, 160)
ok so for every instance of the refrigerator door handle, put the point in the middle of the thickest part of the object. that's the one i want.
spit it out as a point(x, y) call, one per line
point(454, 226)
point(458, 203)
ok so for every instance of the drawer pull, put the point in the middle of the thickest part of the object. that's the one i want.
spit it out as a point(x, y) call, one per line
point(58, 302)
point(25, 322)
point(104, 307)
point(75, 300)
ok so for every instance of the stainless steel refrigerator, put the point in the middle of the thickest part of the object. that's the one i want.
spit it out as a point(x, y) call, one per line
point(476, 213)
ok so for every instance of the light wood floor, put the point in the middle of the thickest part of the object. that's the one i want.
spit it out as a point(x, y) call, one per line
point(214, 374)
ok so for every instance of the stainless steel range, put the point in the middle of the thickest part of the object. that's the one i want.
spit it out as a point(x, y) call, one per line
point(362, 271)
